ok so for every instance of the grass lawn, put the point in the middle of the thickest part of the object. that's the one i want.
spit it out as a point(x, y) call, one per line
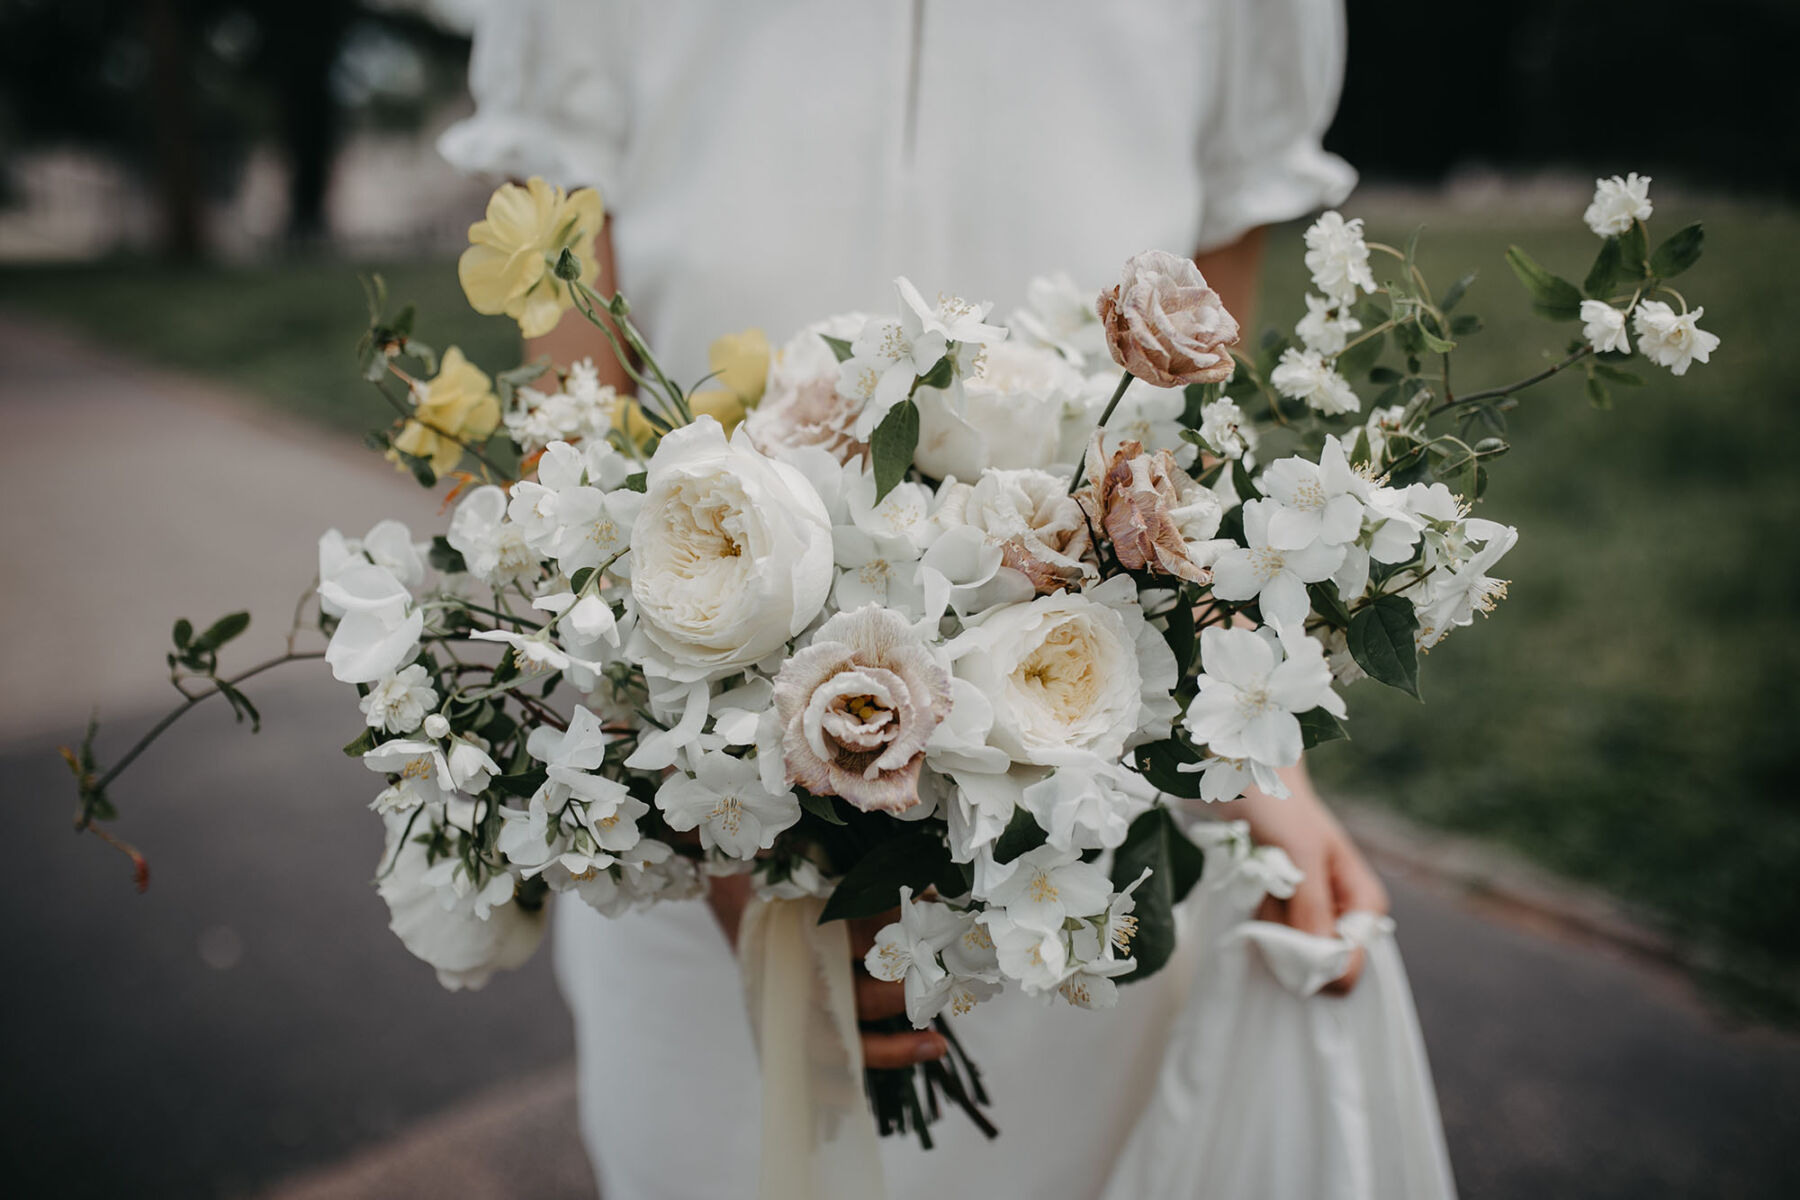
point(1624, 716)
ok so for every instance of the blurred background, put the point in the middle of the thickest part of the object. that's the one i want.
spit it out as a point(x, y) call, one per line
point(1592, 829)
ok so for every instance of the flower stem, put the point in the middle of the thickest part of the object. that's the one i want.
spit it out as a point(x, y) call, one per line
point(158, 729)
point(484, 460)
point(1509, 389)
point(1125, 378)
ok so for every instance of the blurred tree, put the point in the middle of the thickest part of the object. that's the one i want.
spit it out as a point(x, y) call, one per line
point(1550, 83)
point(181, 90)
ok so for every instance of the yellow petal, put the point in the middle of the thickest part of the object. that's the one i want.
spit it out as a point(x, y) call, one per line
point(740, 362)
point(727, 408)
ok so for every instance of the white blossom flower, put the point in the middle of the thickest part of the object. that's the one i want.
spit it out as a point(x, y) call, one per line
point(534, 652)
point(1338, 258)
point(1672, 341)
point(563, 518)
point(1318, 502)
point(1452, 596)
point(464, 938)
point(1007, 414)
point(1327, 327)
point(582, 411)
point(1604, 327)
point(1088, 809)
point(1249, 700)
point(907, 951)
point(725, 798)
point(1304, 375)
point(1092, 968)
point(379, 629)
point(1275, 578)
point(492, 546)
point(1225, 430)
point(1042, 888)
point(1617, 203)
point(398, 702)
point(1060, 314)
point(1225, 779)
point(888, 355)
point(1038, 960)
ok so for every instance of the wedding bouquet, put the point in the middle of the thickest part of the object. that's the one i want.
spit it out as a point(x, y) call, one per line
point(920, 610)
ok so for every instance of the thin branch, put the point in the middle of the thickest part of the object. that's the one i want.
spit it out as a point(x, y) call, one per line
point(1125, 378)
point(157, 730)
point(1509, 389)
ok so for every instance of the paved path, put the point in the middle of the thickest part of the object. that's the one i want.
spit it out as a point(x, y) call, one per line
point(250, 1023)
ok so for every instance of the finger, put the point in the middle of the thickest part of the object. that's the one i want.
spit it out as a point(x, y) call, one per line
point(902, 1049)
point(1355, 885)
point(1309, 908)
point(1342, 985)
point(876, 998)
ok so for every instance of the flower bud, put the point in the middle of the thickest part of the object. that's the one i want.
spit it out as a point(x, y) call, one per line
point(437, 726)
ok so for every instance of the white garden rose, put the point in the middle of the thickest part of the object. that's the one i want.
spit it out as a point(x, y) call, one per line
point(730, 554)
point(1072, 676)
point(1009, 415)
point(1040, 529)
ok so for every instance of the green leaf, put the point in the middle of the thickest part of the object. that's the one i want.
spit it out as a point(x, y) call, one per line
point(1605, 272)
point(361, 744)
point(1634, 252)
point(1678, 253)
point(1382, 642)
point(1551, 295)
point(1180, 635)
point(634, 483)
point(421, 468)
point(892, 445)
point(839, 346)
point(183, 633)
point(872, 886)
point(1597, 394)
point(1176, 864)
point(1360, 357)
point(526, 783)
point(1327, 603)
point(1022, 835)
point(1464, 324)
point(1240, 479)
point(1384, 375)
point(240, 705)
point(819, 806)
point(1158, 763)
point(940, 375)
point(1432, 341)
point(1455, 292)
point(222, 631)
point(1318, 727)
point(578, 582)
point(445, 557)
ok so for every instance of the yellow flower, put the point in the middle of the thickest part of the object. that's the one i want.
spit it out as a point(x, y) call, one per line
point(740, 364)
point(508, 265)
point(460, 403)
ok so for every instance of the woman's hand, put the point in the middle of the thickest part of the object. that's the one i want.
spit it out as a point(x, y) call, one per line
point(1338, 878)
point(876, 1000)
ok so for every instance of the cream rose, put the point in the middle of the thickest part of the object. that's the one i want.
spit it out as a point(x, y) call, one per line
point(1073, 675)
point(800, 404)
point(1038, 526)
point(465, 937)
point(856, 708)
point(1165, 325)
point(1009, 414)
point(730, 554)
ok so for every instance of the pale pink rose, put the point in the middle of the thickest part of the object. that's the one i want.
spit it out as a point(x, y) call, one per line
point(1157, 517)
point(809, 414)
point(1165, 325)
point(856, 708)
point(1038, 526)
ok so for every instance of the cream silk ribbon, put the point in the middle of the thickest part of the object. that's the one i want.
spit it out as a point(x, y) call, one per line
point(818, 1136)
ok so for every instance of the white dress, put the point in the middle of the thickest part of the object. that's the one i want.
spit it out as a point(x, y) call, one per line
point(766, 164)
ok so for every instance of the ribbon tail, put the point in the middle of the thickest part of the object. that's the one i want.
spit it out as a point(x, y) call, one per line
point(818, 1136)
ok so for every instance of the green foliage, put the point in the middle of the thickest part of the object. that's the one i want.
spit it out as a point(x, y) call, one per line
point(1382, 642)
point(1318, 727)
point(917, 860)
point(819, 806)
point(1678, 253)
point(1551, 295)
point(839, 346)
point(447, 558)
point(892, 445)
point(1175, 862)
point(1022, 835)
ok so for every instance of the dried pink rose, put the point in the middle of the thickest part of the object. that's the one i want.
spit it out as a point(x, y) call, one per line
point(1165, 325)
point(800, 405)
point(856, 708)
point(1157, 517)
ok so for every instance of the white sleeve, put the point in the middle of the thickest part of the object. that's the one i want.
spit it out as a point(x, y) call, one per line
point(1281, 65)
point(550, 94)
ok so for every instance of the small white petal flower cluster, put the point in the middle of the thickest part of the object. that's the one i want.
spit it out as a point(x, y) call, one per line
point(1667, 338)
point(584, 411)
